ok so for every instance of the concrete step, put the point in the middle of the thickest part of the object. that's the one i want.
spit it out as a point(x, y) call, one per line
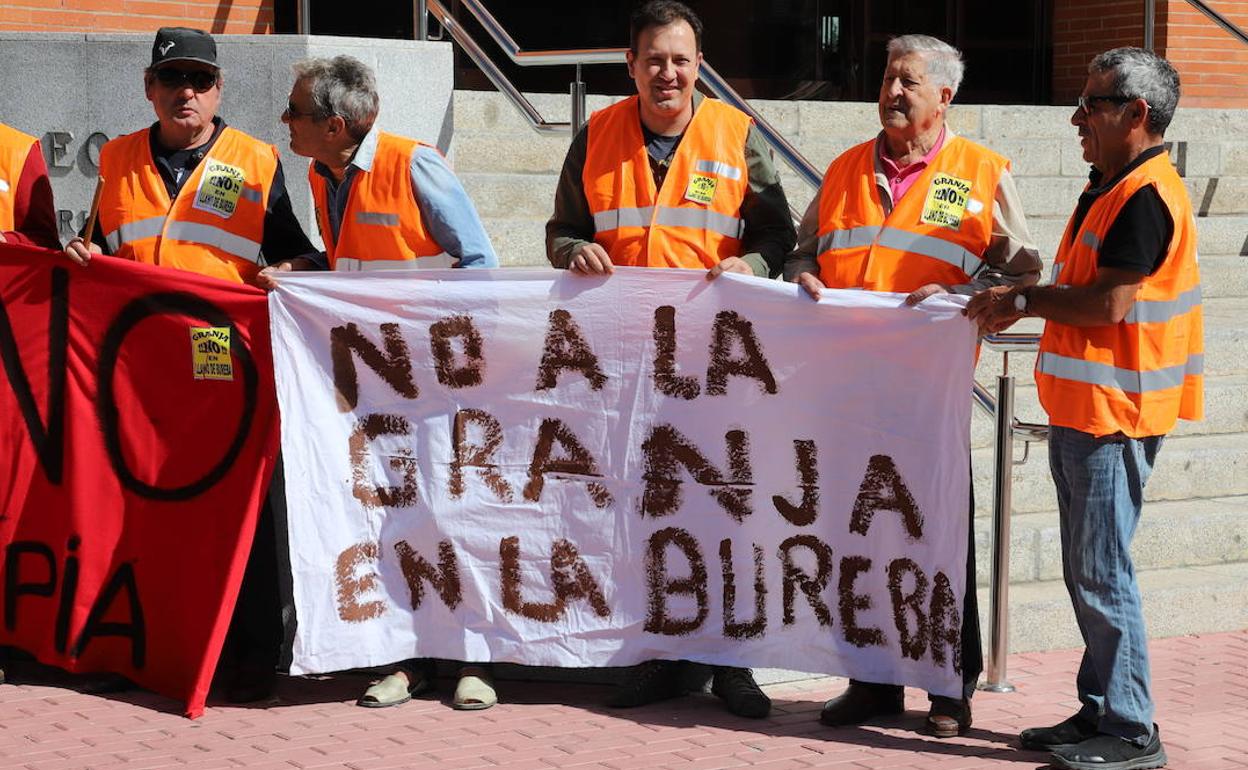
point(1223, 276)
point(1038, 140)
point(1202, 466)
point(1185, 533)
point(1184, 600)
point(518, 242)
point(1217, 235)
point(513, 196)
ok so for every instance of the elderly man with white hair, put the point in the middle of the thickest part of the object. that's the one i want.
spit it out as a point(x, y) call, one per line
point(920, 211)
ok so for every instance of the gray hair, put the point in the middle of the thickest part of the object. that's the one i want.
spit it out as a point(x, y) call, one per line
point(342, 86)
point(944, 62)
point(1141, 74)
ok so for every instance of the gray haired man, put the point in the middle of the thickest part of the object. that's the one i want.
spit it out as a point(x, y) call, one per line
point(369, 219)
point(920, 212)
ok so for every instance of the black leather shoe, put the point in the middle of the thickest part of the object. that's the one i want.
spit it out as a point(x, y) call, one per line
point(949, 717)
point(1109, 752)
point(654, 680)
point(1076, 729)
point(740, 693)
point(862, 701)
point(250, 684)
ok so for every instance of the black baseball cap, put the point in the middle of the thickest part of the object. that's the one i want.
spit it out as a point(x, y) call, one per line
point(183, 44)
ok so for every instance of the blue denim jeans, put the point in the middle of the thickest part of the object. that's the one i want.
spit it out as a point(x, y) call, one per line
point(1100, 491)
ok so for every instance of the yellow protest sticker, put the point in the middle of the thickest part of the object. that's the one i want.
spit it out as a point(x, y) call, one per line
point(946, 201)
point(701, 188)
point(210, 353)
point(219, 188)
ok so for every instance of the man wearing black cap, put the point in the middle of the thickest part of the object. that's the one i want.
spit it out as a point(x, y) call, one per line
point(191, 193)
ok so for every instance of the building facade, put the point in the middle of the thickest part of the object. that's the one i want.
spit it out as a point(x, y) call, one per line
point(1021, 52)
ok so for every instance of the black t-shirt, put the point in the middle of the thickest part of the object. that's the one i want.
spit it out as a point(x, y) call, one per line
point(1140, 236)
point(660, 149)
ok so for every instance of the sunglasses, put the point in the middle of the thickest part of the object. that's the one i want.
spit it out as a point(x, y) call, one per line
point(1087, 103)
point(293, 113)
point(200, 80)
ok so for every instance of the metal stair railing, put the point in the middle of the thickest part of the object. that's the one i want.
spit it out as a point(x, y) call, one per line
point(1006, 430)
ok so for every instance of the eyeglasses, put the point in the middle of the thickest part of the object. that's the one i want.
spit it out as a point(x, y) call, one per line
point(1087, 103)
point(200, 80)
point(294, 113)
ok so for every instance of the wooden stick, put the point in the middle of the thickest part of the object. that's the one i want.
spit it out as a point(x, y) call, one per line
point(89, 231)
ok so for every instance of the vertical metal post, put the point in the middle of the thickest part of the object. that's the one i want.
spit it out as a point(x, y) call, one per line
point(578, 102)
point(1150, 20)
point(420, 20)
point(1003, 461)
point(303, 17)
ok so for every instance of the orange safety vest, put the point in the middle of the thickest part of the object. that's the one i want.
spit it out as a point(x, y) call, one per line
point(14, 150)
point(381, 226)
point(694, 221)
point(215, 224)
point(936, 233)
point(1138, 376)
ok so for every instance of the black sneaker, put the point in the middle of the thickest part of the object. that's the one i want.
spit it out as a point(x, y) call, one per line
point(654, 680)
point(740, 693)
point(1076, 729)
point(1109, 752)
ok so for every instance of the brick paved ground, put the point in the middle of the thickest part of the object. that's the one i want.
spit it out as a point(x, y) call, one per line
point(1201, 686)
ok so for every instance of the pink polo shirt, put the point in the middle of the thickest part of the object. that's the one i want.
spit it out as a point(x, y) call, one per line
point(902, 179)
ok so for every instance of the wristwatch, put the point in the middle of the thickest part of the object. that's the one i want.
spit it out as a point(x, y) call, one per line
point(1020, 301)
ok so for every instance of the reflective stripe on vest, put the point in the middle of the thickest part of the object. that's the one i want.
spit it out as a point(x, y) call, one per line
point(193, 232)
point(1126, 380)
point(134, 231)
point(1160, 310)
point(234, 245)
point(377, 218)
point(902, 240)
point(614, 219)
point(352, 265)
point(719, 168)
point(702, 219)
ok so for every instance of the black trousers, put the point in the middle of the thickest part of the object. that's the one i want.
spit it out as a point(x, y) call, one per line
point(972, 646)
point(256, 635)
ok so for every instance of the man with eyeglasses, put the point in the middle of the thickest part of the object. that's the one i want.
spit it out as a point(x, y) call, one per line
point(368, 217)
point(1120, 363)
point(382, 202)
point(191, 193)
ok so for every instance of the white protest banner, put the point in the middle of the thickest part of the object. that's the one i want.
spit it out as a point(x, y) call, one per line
point(544, 468)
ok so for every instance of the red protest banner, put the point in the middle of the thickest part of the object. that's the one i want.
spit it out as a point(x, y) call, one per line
point(138, 427)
